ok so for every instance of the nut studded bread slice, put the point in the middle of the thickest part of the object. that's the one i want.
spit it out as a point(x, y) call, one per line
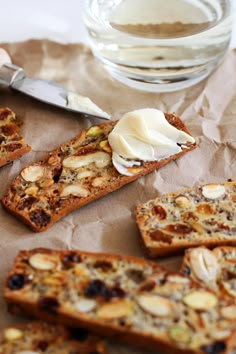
point(40, 337)
point(73, 175)
point(12, 145)
point(192, 217)
point(136, 301)
point(215, 269)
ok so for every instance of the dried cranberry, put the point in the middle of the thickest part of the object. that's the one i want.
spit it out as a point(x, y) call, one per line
point(4, 114)
point(39, 217)
point(9, 129)
point(160, 212)
point(160, 236)
point(103, 265)
point(16, 281)
point(71, 258)
point(12, 147)
point(49, 304)
point(181, 229)
point(214, 348)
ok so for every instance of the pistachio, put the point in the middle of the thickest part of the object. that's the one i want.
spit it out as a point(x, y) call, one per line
point(155, 305)
point(104, 145)
point(11, 334)
point(43, 261)
point(204, 264)
point(115, 309)
point(94, 131)
point(182, 202)
point(76, 190)
point(85, 305)
point(180, 334)
point(32, 173)
point(101, 159)
point(213, 191)
point(200, 300)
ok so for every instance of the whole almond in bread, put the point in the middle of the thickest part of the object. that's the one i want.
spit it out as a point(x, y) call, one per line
point(12, 145)
point(78, 172)
point(215, 269)
point(192, 217)
point(41, 337)
point(133, 300)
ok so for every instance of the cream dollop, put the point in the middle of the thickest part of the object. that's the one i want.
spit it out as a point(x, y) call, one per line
point(144, 135)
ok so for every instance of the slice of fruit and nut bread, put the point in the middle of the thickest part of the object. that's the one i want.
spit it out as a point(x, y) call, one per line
point(136, 301)
point(215, 268)
point(76, 173)
point(191, 217)
point(12, 145)
point(40, 337)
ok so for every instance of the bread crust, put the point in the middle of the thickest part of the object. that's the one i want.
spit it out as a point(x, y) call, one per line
point(41, 202)
point(204, 221)
point(12, 145)
point(120, 281)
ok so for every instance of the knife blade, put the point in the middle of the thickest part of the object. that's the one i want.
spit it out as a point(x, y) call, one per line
point(14, 77)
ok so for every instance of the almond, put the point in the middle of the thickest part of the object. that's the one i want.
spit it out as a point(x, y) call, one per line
point(155, 305)
point(204, 264)
point(75, 190)
point(200, 300)
point(85, 305)
point(229, 312)
point(230, 287)
point(101, 159)
point(32, 173)
point(43, 261)
point(99, 182)
point(32, 190)
point(84, 174)
point(182, 202)
point(115, 309)
point(55, 279)
point(11, 334)
point(213, 191)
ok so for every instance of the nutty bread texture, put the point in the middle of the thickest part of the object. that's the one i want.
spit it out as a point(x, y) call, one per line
point(41, 337)
point(215, 269)
point(130, 299)
point(74, 174)
point(191, 217)
point(12, 145)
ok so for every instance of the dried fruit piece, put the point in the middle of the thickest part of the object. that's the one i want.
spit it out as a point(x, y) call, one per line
point(43, 261)
point(213, 191)
point(76, 190)
point(180, 334)
point(155, 305)
point(32, 173)
point(115, 309)
point(11, 334)
point(205, 209)
point(200, 300)
point(204, 264)
point(85, 305)
point(159, 212)
point(182, 202)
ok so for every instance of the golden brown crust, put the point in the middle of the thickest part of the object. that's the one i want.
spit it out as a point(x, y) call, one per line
point(188, 218)
point(112, 296)
point(38, 336)
point(51, 188)
point(12, 145)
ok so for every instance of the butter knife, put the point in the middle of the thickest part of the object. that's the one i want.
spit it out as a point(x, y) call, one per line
point(14, 77)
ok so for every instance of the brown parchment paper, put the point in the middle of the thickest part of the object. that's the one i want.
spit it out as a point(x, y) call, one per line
point(108, 225)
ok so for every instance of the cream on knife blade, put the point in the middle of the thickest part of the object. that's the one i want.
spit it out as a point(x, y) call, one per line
point(144, 135)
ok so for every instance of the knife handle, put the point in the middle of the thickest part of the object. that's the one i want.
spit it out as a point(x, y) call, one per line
point(10, 73)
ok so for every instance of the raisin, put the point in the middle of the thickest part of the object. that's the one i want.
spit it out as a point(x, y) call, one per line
point(160, 212)
point(103, 265)
point(214, 348)
point(149, 285)
point(39, 217)
point(71, 258)
point(26, 203)
point(4, 114)
point(16, 282)
point(49, 304)
point(181, 229)
point(79, 334)
point(95, 287)
point(41, 345)
point(9, 129)
point(160, 236)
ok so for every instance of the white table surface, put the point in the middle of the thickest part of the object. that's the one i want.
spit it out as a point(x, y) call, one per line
point(57, 20)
